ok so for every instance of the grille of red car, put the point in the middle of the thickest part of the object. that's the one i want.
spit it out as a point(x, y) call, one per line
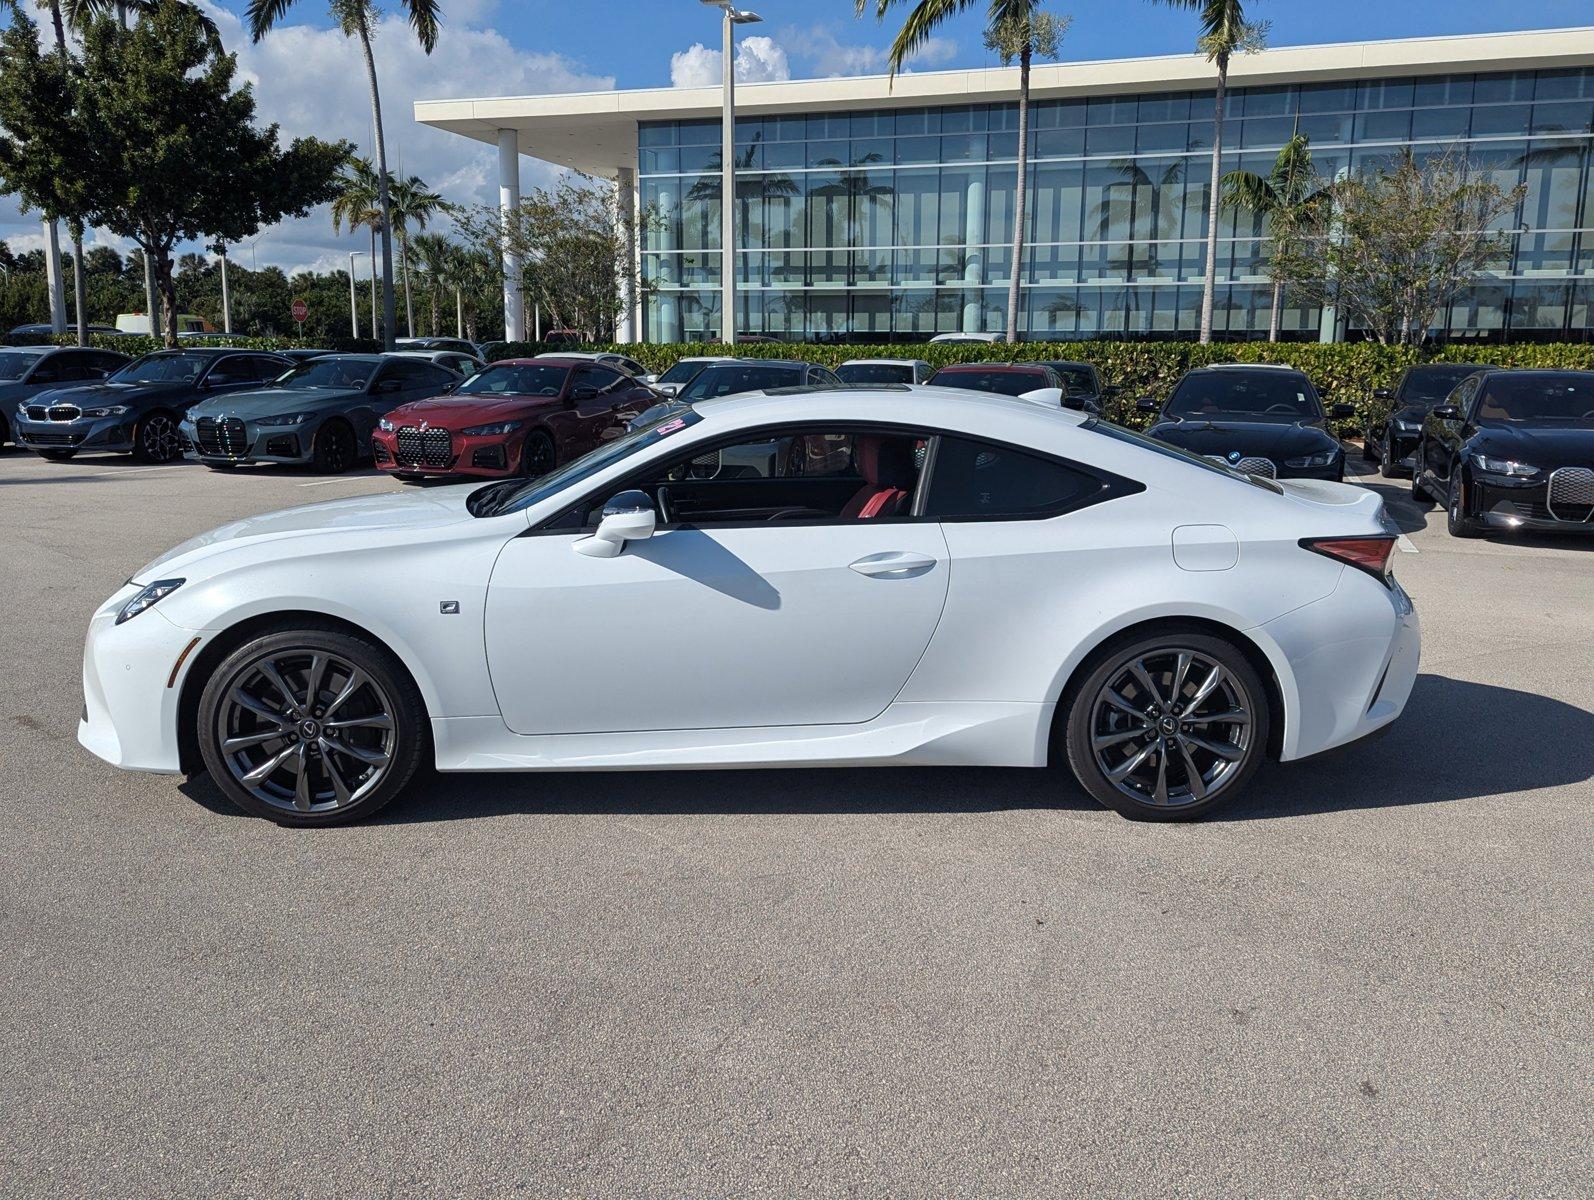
point(423, 447)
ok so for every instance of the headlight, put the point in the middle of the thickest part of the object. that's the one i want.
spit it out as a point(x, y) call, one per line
point(490, 430)
point(1312, 460)
point(148, 598)
point(285, 419)
point(22, 412)
point(112, 410)
point(1503, 466)
point(386, 426)
point(1409, 426)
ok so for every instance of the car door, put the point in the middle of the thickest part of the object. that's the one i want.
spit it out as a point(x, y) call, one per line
point(595, 391)
point(717, 623)
point(1441, 436)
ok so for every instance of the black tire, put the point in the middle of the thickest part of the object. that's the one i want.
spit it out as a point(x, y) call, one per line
point(5, 432)
point(404, 743)
point(1386, 463)
point(1367, 447)
point(334, 448)
point(1456, 520)
point(1419, 491)
point(1239, 687)
point(537, 456)
point(57, 455)
point(156, 438)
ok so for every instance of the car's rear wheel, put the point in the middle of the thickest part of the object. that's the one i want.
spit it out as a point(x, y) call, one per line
point(1456, 520)
point(1168, 726)
point(537, 456)
point(311, 727)
point(333, 451)
point(156, 439)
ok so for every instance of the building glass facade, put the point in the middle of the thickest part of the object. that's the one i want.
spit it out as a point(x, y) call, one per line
point(895, 225)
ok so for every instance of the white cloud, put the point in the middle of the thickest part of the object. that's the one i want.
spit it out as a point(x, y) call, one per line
point(758, 60)
point(311, 82)
point(820, 52)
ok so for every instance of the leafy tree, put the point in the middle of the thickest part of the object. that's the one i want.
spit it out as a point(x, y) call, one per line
point(102, 260)
point(1016, 31)
point(1225, 32)
point(1287, 199)
point(356, 19)
point(215, 174)
point(1393, 247)
point(413, 203)
point(357, 205)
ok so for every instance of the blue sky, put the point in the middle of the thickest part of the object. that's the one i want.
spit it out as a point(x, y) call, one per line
point(308, 78)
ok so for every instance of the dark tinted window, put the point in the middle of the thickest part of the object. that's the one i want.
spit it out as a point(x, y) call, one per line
point(875, 373)
point(14, 364)
point(236, 368)
point(69, 366)
point(729, 379)
point(1429, 385)
point(164, 367)
point(1559, 397)
point(506, 379)
point(1004, 383)
point(602, 378)
point(1281, 394)
point(1079, 381)
point(330, 372)
point(991, 482)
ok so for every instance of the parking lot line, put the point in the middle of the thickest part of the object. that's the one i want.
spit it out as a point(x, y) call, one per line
point(1404, 543)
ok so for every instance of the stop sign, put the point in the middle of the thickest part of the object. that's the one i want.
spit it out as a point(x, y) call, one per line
point(301, 311)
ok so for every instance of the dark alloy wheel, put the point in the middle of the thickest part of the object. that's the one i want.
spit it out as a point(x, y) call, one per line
point(311, 727)
point(1456, 519)
point(537, 456)
point(1387, 466)
point(333, 452)
point(1168, 727)
point(1419, 491)
point(156, 440)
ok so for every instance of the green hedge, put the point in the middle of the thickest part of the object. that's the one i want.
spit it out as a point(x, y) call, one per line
point(1345, 372)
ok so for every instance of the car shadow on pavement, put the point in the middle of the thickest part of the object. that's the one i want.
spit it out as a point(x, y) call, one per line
point(1456, 740)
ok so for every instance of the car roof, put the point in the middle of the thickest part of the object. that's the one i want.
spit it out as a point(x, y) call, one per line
point(883, 362)
point(1250, 367)
point(1062, 362)
point(541, 360)
point(762, 362)
point(209, 351)
point(1027, 365)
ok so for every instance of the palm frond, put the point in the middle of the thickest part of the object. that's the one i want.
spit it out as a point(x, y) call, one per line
point(426, 18)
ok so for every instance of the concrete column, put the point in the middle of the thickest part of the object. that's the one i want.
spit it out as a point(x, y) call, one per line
point(52, 277)
point(625, 201)
point(668, 304)
point(974, 254)
point(508, 202)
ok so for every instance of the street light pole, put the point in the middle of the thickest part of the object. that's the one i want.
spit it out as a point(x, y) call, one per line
point(731, 19)
point(354, 299)
point(226, 294)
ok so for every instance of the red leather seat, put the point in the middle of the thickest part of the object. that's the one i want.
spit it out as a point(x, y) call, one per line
point(886, 465)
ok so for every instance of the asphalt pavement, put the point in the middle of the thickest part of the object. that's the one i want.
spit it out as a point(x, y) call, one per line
point(1370, 977)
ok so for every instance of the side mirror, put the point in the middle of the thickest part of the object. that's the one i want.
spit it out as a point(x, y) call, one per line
point(628, 517)
point(1383, 394)
point(1074, 400)
point(667, 389)
point(1148, 404)
point(1447, 412)
point(584, 391)
point(1110, 391)
point(649, 378)
point(1342, 412)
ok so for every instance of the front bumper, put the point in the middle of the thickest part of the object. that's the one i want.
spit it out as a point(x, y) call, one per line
point(248, 441)
point(1404, 446)
point(131, 684)
point(492, 456)
point(1507, 504)
point(86, 433)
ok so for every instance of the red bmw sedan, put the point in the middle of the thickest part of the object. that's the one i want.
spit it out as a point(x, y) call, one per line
point(521, 416)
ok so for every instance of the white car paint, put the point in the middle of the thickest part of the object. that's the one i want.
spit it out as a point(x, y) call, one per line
point(781, 643)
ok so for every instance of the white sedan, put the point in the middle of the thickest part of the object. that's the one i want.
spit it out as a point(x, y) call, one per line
point(833, 577)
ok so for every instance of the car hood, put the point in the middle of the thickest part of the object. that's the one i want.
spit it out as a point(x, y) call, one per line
point(98, 395)
point(1569, 444)
point(270, 402)
point(1265, 439)
point(457, 412)
point(358, 514)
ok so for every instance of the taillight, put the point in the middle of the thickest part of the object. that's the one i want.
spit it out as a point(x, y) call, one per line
point(1370, 553)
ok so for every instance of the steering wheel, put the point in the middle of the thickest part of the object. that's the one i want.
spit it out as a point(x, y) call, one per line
point(662, 500)
point(1283, 408)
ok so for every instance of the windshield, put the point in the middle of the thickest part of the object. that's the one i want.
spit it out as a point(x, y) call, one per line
point(342, 373)
point(1429, 385)
point(875, 373)
point(1249, 394)
point(511, 495)
point(163, 368)
point(14, 364)
point(1077, 381)
point(727, 379)
point(1568, 397)
point(1005, 383)
point(1119, 433)
point(681, 372)
point(509, 379)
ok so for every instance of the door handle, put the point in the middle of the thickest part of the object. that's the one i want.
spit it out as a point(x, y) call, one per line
point(893, 564)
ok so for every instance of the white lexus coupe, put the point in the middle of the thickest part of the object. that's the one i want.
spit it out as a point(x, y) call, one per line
point(810, 578)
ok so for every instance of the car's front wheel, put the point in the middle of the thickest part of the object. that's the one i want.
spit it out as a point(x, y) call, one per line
point(1456, 519)
point(537, 456)
point(1388, 465)
point(156, 440)
point(311, 726)
point(333, 450)
point(1167, 727)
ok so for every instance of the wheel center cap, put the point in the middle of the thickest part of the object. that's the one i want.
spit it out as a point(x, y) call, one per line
point(1168, 725)
point(309, 730)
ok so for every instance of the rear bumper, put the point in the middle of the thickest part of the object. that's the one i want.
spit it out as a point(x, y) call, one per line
point(1353, 659)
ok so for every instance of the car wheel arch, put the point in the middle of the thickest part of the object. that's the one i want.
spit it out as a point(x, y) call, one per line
point(212, 654)
point(1264, 657)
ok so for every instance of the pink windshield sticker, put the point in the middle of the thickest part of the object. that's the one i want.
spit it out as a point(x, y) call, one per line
point(671, 426)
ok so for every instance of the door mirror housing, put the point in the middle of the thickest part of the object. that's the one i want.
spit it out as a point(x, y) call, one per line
point(1342, 412)
point(628, 517)
point(1148, 404)
point(1447, 412)
point(1383, 394)
point(1111, 391)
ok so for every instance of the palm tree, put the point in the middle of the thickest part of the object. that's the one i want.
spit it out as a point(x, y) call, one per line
point(357, 206)
point(413, 203)
point(1224, 33)
point(1015, 29)
point(437, 262)
point(1287, 199)
point(356, 19)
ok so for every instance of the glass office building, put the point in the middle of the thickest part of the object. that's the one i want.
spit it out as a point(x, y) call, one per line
point(892, 220)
